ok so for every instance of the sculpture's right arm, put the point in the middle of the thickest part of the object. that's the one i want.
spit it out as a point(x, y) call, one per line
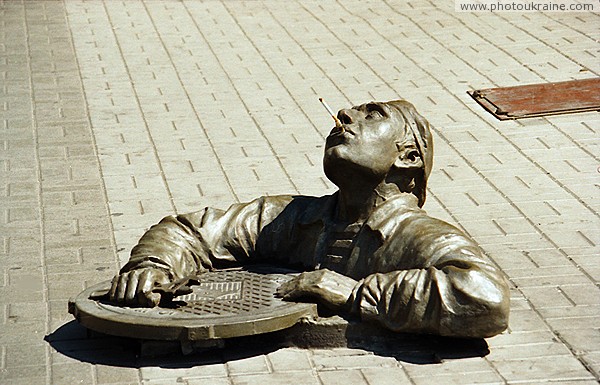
point(182, 245)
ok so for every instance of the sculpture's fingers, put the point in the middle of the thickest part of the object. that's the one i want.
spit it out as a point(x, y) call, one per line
point(146, 283)
point(121, 287)
point(284, 289)
point(132, 285)
point(113, 288)
point(160, 277)
point(153, 299)
point(292, 289)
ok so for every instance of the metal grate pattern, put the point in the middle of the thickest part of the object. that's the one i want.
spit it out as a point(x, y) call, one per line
point(232, 293)
point(220, 293)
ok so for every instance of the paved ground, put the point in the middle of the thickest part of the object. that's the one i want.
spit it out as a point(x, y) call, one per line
point(115, 114)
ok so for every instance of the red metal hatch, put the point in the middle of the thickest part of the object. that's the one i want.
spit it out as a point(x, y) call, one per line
point(540, 99)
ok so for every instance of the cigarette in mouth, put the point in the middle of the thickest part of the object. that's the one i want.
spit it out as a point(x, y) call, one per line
point(337, 121)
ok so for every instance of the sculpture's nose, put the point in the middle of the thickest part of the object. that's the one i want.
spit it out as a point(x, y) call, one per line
point(345, 116)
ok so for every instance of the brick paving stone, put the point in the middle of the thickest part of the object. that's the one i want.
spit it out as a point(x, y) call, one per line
point(26, 380)
point(576, 382)
point(544, 349)
point(337, 362)
point(582, 341)
point(340, 377)
point(574, 323)
point(584, 294)
point(206, 371)
point(27, 374)
point(526, 321)
point(468, 365)
point(251, 365)
point(72, 373)
point(592, 361)
point(18, 355)
point(557, 368)
point(203, 381)
point(289, 360)
point(571, 311)
point(385, 376)
point(307, 377)
point(461, 379)
point(521, 338)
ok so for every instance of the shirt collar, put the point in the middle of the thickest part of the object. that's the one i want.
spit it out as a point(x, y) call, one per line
point(381, 219)
point(385, 216)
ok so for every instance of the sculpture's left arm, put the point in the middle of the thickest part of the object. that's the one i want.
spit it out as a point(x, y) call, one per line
point(452, 291)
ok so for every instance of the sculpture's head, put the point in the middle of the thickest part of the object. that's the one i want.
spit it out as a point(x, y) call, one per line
point(380, 141)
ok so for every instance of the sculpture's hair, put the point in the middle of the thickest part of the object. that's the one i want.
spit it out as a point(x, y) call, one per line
point(417, 130)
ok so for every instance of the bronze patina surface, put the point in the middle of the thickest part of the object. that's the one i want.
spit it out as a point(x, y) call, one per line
point(368, 249)
point(224, 304)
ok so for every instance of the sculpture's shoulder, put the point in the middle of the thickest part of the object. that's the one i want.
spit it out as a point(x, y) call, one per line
point(299, 208)
point(418, 230)
point(404, 217)
point(413, 239)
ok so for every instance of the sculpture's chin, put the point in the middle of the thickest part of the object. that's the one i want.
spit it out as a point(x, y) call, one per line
point(347, 174)
point(335, 166)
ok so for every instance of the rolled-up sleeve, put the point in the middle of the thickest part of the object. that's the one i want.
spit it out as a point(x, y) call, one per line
point(451, 290)
point(190, 243)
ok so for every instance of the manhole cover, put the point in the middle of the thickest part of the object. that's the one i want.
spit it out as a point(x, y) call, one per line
point(226, 303)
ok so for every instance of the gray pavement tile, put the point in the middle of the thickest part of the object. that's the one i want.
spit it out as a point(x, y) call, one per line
point(582, 342)
point(526, 321)
point(24, 333)
point(573, 323)
point(565, 382)
point(26, 312)
point(206, 372)
point(385, 376)
point(523, 351)
point(31, 374)
point(21, 355)
point(557, 368)
point(111, 374)
point(27, 380)
point(521, 338)
point(340, 377)
point(592, 361)
point(202, 381)
point(305, 377)
point(323, 363)
point(250, 365)
point(72, 373)
point(489, 377)
point(449, 367)
point(289, 360)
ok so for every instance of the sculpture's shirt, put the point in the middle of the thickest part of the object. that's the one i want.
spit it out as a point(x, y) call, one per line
point(415, 273)
point(339, 246)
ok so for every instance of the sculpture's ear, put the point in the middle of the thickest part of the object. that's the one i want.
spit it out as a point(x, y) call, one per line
point(409, 156)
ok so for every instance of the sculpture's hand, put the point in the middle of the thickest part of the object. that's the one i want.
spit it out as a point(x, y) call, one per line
point(135, 287)
point(329, 288)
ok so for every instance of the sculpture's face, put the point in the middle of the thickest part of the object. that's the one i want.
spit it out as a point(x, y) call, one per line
point(366, 147)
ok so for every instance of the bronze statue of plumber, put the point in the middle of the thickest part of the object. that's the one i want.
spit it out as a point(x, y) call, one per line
point(368, 249)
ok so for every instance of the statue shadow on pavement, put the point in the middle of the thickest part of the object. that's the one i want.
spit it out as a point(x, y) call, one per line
point(77, 342)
